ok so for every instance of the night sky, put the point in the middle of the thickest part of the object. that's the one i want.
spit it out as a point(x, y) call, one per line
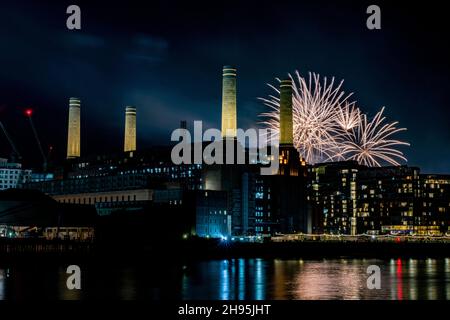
point(166, 57)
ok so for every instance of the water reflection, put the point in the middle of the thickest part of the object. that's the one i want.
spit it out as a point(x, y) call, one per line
point(401, 279)
point(447, 276)
point(235, 279)
point(332, 279)
point(2, 283)
point(412, 279)
point(431, 272)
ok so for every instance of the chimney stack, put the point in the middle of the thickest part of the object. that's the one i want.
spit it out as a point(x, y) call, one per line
point(229, 122)
point(73, 136)
point(130, 129)
point(286, 123)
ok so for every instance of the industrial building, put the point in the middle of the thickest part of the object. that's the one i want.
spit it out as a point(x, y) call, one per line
point(212, 218)
point(261, 205)
point(12, 175)
point(289, 195)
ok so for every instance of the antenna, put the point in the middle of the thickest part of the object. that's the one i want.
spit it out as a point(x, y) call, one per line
point(15, 155)
point(29, 114)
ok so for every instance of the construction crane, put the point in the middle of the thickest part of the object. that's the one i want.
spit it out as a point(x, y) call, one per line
point(15, 154)
point(29, 115)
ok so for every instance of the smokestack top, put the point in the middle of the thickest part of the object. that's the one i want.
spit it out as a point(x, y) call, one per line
point(229, 71)
point(74, 102)
point(130, 110)
point(286, 83)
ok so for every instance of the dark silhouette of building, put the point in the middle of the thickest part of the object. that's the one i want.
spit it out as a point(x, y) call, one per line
point(30, 213)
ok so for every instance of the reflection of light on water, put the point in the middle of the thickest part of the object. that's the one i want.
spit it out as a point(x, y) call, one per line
point(431, 265)
point(184, 283)
point(412, 273)
point(393, 279)
point(127, 284)
point(238, 276)
point(241, 279)
point(329, 280)
point(350, 279)
point(259, 281)
point(399, 274)
point(2, 284)
point(447, 278)
point(412, 269)
point(431, 273)
point(279, 280)
point(224, 281)
point(236, 284)
point(232, 277)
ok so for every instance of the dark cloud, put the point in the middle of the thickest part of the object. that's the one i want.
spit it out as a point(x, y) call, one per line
point(166, 58)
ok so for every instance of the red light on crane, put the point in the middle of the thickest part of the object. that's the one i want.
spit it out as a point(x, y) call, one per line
point(29, 112)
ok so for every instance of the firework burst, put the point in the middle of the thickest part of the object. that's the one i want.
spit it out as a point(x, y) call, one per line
point(329, 127)
point(370, 142)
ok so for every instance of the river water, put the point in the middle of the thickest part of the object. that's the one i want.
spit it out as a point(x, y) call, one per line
point(233, 279)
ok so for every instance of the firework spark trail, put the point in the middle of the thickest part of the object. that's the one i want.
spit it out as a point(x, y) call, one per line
point(348, 116)
point(370, 142)
point(329, 127)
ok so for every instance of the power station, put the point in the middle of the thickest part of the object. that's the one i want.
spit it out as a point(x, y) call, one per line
point(234, 200)
point(229, 122)
point(130, 129)
point(73, 136)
